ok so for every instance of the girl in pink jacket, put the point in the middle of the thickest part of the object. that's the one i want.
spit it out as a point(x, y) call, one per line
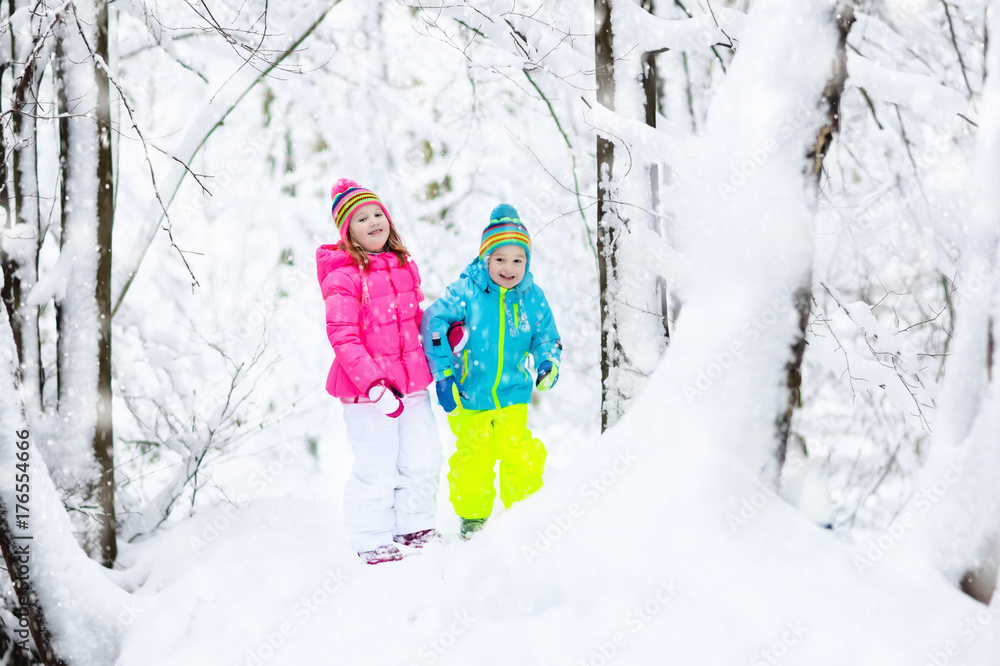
point(371, 288)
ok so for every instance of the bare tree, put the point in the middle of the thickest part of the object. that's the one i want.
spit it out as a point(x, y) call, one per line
point(843, 15)
point(83, 306)
point(963, 533)
point(68, 411)
point(634, 317)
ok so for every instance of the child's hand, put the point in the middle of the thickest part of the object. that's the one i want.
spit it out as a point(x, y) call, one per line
point(384, 397)
point(548, 375)
point(447, 392)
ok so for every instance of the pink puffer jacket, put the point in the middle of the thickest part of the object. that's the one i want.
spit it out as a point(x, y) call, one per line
point(373, 322)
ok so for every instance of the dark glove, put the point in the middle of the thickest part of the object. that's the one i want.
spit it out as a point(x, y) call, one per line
point(448, 394)
point(548, 375)
point(386, 398)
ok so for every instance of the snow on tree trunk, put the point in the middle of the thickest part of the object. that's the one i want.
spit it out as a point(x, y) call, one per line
point(604, 54)
point(81, 432)
point(21, 241)
point(71, 608)
point(633, 304)
point(830, 103)
point(960, 535)
point(747, 202)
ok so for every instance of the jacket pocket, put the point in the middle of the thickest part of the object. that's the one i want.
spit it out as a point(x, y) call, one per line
point(525, 365)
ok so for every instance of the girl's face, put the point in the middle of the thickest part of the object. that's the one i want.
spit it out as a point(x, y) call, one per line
point(507, 265)
point(369, 227)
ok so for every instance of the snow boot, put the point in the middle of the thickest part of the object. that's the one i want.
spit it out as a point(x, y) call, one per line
point(418, 539)
point(386, 553)
point(470, 526)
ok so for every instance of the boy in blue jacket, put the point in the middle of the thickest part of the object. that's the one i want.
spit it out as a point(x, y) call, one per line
point(485, 386)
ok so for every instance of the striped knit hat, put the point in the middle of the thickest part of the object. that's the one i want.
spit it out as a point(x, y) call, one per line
point(347, 197)
point(504, 229)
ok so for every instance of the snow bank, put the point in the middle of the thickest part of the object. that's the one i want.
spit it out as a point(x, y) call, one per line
point(83, 606)
point(660, 543)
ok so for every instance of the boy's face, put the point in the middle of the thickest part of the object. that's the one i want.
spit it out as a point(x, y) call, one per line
point(370, 228)
point(507, 265)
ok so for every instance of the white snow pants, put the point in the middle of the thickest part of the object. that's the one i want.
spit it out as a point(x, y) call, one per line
point(393, 485)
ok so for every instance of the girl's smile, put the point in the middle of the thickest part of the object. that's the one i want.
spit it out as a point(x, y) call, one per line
point(370, 228)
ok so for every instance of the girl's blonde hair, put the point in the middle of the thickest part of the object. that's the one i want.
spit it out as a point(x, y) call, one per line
point(360, 256)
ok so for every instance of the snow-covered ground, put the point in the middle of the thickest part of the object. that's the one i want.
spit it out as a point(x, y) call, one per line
point(654, 543)
point(651, 547)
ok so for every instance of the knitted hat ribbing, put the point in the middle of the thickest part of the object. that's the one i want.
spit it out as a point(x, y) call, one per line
point(505, 228)
point(347, 197)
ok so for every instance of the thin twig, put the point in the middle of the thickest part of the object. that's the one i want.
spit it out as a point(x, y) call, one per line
point(717, 25)
point(871, 106)
point(569, 146)
point(722, 63)
point(958, 51)
point(99, 61)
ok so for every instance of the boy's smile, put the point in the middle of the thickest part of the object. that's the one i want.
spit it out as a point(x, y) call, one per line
point(507, 266)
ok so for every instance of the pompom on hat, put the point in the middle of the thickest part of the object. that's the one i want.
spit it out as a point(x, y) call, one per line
point(505, 228)
point(347, 197)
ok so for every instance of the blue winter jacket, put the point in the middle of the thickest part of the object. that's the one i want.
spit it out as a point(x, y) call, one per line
point(511, 331)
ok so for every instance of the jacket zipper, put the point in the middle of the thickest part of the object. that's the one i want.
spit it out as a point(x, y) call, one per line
point(503, 325)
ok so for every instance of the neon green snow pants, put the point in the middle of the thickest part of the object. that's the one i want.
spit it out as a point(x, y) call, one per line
point(484, 437)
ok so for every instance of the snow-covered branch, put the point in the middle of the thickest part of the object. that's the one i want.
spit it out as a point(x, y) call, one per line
point(210, 119)
point(652, 34)
point(916, 91)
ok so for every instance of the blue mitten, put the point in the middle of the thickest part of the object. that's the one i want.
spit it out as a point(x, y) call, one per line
point(548, 375)
point(447, 392)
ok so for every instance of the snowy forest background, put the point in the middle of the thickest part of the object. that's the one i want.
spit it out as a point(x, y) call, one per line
point(777, 433)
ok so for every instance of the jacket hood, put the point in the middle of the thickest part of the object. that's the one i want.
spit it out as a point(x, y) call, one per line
point(480, 275)
point(329, 258)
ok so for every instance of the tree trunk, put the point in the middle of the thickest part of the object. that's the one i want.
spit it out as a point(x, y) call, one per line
point(69, 607)
point(605, 207)
point(15, 550)
point(844, 16)
point(21, 268)
point(651, 85)
point(966, 433)
point(633, 316)
point(104, 432)
point(84, 359)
